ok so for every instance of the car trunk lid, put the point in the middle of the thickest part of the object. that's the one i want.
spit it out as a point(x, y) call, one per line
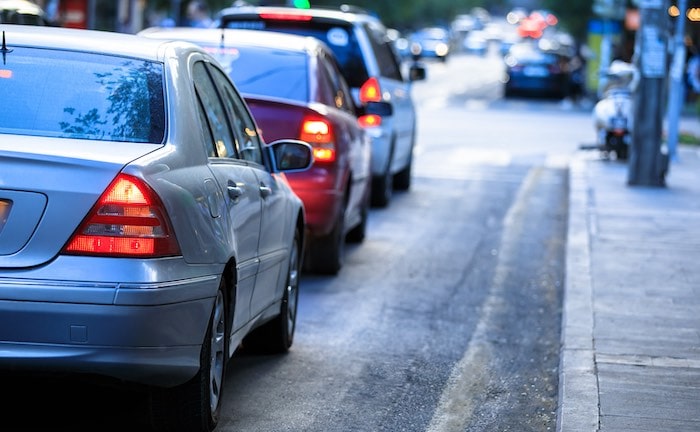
point(47, 187)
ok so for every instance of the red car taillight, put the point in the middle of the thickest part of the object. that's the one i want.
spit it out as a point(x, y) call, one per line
point(319, 133)
point(129, 220)
point(371, 91)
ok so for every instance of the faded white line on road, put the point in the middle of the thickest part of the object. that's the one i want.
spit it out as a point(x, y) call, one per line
point(470, 376)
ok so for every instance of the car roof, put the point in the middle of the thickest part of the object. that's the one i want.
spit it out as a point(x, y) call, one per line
point(258, 38)
point(344, 14)
point(119, 44)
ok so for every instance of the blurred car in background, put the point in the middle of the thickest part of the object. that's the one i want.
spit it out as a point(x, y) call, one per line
point(535, 72)
point(372, 69)
point(475, 42)
point(401, 43)
point(145, 227)
point(432, 42)
point(22, 12)
point(294, 89)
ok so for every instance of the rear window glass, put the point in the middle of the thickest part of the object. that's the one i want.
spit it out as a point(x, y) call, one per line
point(264, 71)
point(341, 40)
point(65, 94)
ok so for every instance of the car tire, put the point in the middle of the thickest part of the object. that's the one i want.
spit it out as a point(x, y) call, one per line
point(276, 336)
point(327, 253)
point(382, 188)
point(358, 233)
point(196, 405)
point(402, 179)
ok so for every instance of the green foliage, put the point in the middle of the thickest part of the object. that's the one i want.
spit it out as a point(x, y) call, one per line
point(415, 14)
point(573, 15)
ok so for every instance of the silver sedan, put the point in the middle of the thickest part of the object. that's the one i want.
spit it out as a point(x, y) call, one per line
point(146, 229)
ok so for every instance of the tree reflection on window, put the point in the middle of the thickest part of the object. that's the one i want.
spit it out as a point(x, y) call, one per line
point(130, 106)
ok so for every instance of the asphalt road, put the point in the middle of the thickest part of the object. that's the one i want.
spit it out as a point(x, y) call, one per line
point(447, 317)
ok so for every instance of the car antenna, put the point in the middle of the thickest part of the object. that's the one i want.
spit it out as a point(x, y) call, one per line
point(5, 50)
point(223, 32)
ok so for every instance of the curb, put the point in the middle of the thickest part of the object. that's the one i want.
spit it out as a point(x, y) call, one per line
point(578, 407)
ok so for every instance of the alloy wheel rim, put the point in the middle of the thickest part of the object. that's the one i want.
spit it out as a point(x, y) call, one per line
point(216, 366)
point(292, 289)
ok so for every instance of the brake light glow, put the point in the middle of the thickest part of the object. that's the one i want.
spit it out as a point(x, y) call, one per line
point(319, 133)
point(5, 73)
point(128, 220)
point(370, 120)
point(272, 16)
point(371, 91)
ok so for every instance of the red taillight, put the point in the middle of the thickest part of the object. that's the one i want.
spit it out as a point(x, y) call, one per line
point(319, 133)
point(128, 220)
point(272, 16)
point(371, 91)
point(370, 120)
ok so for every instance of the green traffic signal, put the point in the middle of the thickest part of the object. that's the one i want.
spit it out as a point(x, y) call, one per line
point(302, 4)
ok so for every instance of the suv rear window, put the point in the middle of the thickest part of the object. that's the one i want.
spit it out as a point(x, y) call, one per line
point(264, 71)
point(58, 93)
point(340, 38)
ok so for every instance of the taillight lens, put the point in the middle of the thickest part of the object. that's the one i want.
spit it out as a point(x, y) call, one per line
point(371, 91)
point(319, 133)
point(129, 220)
point(370, 120)
point(274, 16)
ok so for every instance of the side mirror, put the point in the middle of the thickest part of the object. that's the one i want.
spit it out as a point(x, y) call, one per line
point(417, 72)
point(382, 109)
point(291, 155)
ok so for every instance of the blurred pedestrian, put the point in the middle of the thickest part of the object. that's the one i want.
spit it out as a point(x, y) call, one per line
point(198, 14)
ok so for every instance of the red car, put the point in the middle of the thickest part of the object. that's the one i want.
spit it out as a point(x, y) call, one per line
point(294, 89)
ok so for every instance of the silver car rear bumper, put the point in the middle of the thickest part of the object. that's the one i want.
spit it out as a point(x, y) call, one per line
point(149, 333)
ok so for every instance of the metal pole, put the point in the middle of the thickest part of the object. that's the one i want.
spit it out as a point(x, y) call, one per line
point(676, 93)
point(91, 22)
point(648, 165)
point(605, 56)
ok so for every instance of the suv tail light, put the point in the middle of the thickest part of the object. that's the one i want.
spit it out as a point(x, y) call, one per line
point(318, 133)
point(371, 91)
point(128, 220)
point(370, 120)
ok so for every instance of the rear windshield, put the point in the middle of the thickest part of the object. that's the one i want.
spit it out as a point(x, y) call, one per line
point(265, 71)
point(341, 40)
point(67, 94)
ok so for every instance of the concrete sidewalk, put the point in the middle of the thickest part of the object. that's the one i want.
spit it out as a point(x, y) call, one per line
point(630, 358)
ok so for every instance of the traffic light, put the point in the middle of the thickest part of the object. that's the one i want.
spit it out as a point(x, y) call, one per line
point(302, 4)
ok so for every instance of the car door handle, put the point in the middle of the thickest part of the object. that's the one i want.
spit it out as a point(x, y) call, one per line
point(265, 191)
point(234, 192)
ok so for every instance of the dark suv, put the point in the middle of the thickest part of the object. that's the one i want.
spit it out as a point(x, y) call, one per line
point(372, 69)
